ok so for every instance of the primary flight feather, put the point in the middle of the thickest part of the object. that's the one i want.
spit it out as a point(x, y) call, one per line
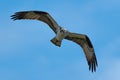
point(61, 34)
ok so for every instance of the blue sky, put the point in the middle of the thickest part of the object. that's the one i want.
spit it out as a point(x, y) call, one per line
point(26, 52)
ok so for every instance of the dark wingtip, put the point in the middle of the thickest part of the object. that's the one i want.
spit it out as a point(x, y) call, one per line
point(17, 16)
point(13, 17)
point(92, 65)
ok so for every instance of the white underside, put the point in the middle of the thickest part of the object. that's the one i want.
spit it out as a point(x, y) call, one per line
point(60, 35)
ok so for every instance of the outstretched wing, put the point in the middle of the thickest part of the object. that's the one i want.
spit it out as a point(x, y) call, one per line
point(37, 15)
point(87, 47)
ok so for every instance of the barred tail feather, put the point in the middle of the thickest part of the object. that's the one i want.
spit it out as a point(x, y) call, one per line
point(56, 42)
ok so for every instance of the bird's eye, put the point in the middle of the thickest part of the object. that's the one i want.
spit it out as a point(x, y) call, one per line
point(61, 31)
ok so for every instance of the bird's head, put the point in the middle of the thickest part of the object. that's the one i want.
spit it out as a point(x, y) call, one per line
point(62, 30)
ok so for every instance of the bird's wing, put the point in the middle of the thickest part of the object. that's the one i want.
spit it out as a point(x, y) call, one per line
point(87, 47)
point(37, 15)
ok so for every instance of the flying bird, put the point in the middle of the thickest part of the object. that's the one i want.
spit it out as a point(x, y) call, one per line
point(61, 33)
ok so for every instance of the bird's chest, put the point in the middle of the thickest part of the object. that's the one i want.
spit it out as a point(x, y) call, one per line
point(60, 35)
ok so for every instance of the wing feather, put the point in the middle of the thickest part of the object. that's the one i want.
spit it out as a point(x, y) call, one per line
point(87, 47)
point(37, 15)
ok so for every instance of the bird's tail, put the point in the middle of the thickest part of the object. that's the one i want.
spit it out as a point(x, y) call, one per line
point(56, 42)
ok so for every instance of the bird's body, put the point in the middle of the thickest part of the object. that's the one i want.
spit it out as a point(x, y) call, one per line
point(61, 34)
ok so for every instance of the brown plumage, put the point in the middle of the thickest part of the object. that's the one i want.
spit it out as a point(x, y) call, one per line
point(61, 34)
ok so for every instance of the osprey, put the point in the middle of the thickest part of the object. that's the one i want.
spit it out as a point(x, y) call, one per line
point(61, 34)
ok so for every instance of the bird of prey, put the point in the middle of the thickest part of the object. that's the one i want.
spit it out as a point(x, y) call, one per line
point(61, 33)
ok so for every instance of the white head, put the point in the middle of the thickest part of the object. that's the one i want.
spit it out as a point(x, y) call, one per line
point(63, 30)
